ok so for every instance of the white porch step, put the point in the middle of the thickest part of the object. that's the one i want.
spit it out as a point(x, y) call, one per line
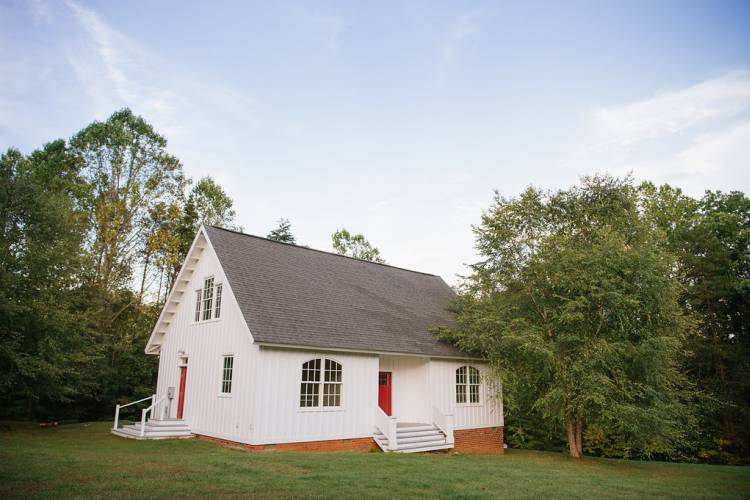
point(155, 429)
point(414, 438)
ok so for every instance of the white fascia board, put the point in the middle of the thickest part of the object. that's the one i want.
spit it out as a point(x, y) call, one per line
point(362, 351)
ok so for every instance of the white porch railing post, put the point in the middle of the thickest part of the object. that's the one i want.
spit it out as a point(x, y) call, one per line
point(143, 422)
point(392, 434)
point(449, 429)
point(444, 422)
point(117, 416)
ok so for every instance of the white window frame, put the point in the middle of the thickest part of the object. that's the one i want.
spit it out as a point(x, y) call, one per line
point(468, 385)
point(224, 380)
point(321, 383)
point(216, 300)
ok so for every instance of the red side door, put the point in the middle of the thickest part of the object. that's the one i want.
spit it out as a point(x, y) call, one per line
point(181, 396)
point(384, 392)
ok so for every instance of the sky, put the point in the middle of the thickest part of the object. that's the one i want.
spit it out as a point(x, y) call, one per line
point(395, 119)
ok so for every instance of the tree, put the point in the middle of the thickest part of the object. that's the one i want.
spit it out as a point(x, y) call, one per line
point(46, 342)
point(207, 203)
point(130, 171)
point(575, 305)
point(710, 238)
point(283, 232)
point(355, 245)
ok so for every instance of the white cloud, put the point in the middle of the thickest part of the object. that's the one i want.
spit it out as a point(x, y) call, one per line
point(675, 111)
point(696, 137)
point(330, 24)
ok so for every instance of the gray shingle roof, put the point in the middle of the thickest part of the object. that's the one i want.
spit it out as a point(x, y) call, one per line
point(297, 296)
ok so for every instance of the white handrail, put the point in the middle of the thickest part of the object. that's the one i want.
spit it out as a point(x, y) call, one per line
point(387, 426)
point(119, 407)
point(145, 411)
point(444, 422)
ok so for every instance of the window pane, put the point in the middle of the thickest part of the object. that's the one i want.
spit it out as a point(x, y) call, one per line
point(474, 394)
point(208, 298)
point(308, 395)
point(333, 371)
point(218, 301)
point(226, 379)
point(197, 305)
point(461, 375)
point(332, 394)
point(311, 371)
point(473, 375)
point(460, 394)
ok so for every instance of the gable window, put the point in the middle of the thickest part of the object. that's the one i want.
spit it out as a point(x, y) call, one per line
point(208, 298)
point(321, 384)
point(467, 385)
point(217, 313)
point(208, 301)
point(226, 376)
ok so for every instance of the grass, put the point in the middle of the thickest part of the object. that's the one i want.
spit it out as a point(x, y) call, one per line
point(84, 460)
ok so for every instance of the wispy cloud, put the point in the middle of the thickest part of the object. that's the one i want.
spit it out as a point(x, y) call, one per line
point(697, 137)
point(674, 111)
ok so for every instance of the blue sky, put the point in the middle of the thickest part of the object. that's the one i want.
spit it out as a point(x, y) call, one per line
point(395, 119)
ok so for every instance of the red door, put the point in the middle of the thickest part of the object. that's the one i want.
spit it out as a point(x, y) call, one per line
point(384, 392)
point(181, 396)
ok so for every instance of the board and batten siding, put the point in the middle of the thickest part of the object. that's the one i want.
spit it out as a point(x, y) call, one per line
point(489, 411)
point(205, 344)
point(409, 387)
point(278, 417)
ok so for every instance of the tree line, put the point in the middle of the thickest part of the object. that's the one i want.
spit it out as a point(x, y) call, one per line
point(94, 231)
point(617, 316)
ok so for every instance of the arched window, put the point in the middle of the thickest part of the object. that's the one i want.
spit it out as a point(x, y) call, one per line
point(467, 385)
point(320, 390)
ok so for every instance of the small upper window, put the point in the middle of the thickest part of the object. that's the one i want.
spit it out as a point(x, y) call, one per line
point(208, 301)
point(226, 377)
point(467, 385)
point(331, 381)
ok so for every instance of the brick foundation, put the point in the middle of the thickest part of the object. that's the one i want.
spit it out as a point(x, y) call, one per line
point(486, 440)
point(361, 445)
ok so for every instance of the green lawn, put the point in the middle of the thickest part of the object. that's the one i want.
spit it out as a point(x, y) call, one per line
point(84, 460)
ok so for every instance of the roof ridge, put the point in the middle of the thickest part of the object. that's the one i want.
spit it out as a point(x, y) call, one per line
point(319, 251)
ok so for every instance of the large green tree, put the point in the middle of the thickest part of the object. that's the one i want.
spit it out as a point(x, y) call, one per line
point(127, 164)
point(575, 304)
point(355, 245)
point(710, 238)
point(46, 343)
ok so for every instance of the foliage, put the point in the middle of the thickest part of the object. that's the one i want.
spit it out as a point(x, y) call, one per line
point(355, 245)
point(85, 461)
point(710, 238)
point(130, 172)
point(574, 301)
point(87, 228)
point(45, 344)
point(283, 233)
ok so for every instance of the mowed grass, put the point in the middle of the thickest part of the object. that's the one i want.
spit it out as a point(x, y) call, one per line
point(84, 460)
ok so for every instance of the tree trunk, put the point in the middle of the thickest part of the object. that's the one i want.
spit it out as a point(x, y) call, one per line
point(572, 441)
point(579, 437)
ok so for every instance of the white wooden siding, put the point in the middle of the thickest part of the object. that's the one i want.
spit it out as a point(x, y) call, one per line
point(206, 410)
point(278, 417)
point(488, 413)
point(409, 387)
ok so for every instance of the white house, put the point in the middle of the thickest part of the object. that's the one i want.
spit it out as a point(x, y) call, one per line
point(271, 345)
